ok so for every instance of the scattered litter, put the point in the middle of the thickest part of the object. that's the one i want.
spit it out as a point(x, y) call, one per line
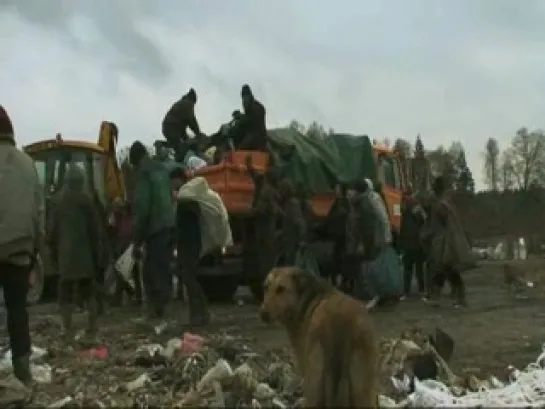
point(98, 353)
point(5, 361)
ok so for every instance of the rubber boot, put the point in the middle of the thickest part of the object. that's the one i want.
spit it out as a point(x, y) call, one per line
point(21, 369)
point(460, 296)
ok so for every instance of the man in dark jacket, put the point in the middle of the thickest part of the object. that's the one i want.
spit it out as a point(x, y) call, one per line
point(74, 242)
point(21, 234)
point(253, 123)
point(265, 213)
point(188, 235)
point(178, 118)
point(294, 229)
point(414, 258)
point(153, 224)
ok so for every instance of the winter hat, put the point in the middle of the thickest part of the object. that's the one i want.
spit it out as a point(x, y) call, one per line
point(246, 91)
point(192, 95)
point(6, 128)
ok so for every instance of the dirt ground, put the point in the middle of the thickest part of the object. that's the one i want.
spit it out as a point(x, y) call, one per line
point(495, 331)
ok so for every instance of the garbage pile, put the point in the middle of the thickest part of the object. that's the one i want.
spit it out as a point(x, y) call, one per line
point(415, 373)
point(138, 370)
point(151, 369)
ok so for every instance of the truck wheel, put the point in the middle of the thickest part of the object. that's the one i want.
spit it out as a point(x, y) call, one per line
point(219, 288)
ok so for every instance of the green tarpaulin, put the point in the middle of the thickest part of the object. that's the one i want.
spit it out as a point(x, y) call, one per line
point(318, 164)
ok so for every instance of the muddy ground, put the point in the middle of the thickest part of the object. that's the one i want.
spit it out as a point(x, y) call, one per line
point(496, 330)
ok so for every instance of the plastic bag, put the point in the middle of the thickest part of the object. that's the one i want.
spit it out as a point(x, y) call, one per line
point(125, 264)
point(215, 228)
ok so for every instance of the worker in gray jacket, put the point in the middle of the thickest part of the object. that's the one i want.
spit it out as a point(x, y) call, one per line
point(21, 235)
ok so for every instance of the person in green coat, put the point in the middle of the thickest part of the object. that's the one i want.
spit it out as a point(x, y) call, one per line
point(74, 243)
point(153, 225)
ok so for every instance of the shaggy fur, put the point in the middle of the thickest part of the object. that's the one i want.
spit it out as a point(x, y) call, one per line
point(332, 336)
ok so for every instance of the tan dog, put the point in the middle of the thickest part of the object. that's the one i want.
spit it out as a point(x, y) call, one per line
point(332, 336)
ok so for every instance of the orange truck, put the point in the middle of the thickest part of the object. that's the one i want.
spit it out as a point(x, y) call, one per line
point(222, 273)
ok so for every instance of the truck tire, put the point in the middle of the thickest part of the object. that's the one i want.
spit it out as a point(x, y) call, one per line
point(219, 288)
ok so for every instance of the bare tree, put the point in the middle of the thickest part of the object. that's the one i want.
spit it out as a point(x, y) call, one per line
point(492, 163)
point(527, 156)
point(507, 174)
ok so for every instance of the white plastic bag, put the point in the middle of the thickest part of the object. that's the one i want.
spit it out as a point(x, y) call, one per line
point(215, 229)
point(125, 264)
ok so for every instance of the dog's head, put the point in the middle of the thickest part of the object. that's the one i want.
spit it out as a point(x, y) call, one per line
point(288, 292)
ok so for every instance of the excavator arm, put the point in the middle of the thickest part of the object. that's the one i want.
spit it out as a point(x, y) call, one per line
point(114, 181)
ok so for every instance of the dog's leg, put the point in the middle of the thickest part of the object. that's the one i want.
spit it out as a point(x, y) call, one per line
point(314, 376)
point(363, 372)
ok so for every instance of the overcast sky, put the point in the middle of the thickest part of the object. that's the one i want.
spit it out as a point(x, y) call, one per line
point(449, 70)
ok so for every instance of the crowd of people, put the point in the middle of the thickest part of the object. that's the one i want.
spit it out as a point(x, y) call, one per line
point(365, 256)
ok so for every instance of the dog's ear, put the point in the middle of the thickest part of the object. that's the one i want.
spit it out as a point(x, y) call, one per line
point(306, 283)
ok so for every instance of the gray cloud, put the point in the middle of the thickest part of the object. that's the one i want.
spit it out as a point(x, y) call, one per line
point(123, 43)
point(463, 70)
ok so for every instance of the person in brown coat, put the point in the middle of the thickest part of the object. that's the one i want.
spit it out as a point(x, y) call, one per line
point(21, 235)
point(73, 241)
point(448, 248)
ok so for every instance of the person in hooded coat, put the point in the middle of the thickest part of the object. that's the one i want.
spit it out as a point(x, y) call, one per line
point(252, 123)
point(178, 118)
point(449, 251)
point(73, 240)
point(21, 235)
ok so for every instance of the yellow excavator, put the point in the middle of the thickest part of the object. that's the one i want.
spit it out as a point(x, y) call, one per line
point(104, 176)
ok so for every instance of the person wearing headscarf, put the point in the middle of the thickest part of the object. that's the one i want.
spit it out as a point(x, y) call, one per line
point(448, 247)
point(179, 117)
point(21, 235)
point(74, 243)
point(381, 277)
point(252, 123)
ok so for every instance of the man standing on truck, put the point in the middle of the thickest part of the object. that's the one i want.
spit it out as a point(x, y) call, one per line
point(21, 235)
point(252, 123)
point(153, 225)
point(178, 118)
